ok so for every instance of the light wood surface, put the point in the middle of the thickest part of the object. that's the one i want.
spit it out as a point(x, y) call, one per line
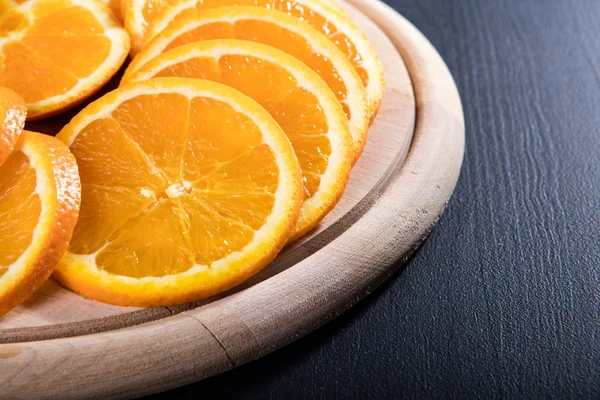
point(390, 206)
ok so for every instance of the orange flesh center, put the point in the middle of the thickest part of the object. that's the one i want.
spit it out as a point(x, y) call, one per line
point(46, 53)
point(297, 110)
point(20, 208)
point(168, 183)
point(276, 36)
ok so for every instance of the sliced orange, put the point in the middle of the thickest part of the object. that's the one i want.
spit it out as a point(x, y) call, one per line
point(12, 121)
point(56, 53)
point(6, 4)
point(322, 15)
point(280, 31)
point(189, 188)
point(114, 5)
point(138, 15)
point(298, 99)
point(39, 204)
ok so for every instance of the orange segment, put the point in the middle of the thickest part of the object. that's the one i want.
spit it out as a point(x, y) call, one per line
point(114, 5)
point(137, 247)
point(104, 208)
point(125, 155)
point(166, 150)
point(51, 81)
point(323, 15)
point(210, 141)
point(16, 189)
point(12, 120)
point(87, 52)
point(281, 31)
point(298, 99)
point(208, 226)
point(56, 53)
point(7, 5)
point(39, 203)
point(138, 14)
point(60, 17)
point(202, 216)
point(109, 196)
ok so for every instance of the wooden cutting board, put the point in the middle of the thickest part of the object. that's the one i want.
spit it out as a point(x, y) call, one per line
point(60, 345)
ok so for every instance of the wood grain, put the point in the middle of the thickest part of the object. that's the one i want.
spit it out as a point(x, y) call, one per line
point(247, 324)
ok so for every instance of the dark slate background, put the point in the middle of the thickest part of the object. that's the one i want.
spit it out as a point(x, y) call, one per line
point(503, 298)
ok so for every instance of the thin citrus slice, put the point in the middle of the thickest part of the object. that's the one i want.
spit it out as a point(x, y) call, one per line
point(12, 121)
point(280, 31)
point(297, 98)
point(114, 5)
point(39, 204)
point(322, 15)
point(189, 188)
point(6, 4)
point(138, 15)
point(56, 53)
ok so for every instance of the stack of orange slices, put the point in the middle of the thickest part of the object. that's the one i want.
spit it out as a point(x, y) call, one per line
point(233, 132)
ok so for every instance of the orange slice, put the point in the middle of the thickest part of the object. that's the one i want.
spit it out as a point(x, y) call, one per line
point(280, 31)
point(12, 121)
point(6, 4)
point(39, 203)
point(138, 15)
point(114, 5)
point(189, 188)
point(297, 98)
point(56, 53)
point(322, 15)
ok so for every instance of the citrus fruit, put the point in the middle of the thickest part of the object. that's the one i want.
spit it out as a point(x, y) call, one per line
point(280, 31)
point(12, 120)
point(189, 187)
point(297, 98)
point(56, 53)
point(39, 203)
point(322, 15)
point(114, 5)
point(138, 15)
point(6, 4)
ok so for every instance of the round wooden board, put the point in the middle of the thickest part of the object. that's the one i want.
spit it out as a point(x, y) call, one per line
point(60, 345)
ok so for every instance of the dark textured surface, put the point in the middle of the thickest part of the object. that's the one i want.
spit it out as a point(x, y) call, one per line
point(503, 299)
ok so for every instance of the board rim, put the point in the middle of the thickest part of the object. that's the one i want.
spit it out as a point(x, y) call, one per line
point(230, 332)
